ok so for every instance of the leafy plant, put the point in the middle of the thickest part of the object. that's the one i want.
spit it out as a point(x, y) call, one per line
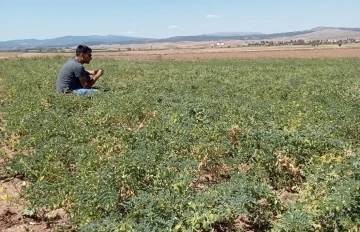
point(189, 146)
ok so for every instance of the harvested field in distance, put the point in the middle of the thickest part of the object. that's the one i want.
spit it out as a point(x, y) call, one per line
point(325, 51)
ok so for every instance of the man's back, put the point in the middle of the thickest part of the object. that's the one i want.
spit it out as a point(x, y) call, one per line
point(68, 78)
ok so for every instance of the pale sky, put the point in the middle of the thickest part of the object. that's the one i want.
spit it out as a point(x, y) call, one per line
point(46, 19)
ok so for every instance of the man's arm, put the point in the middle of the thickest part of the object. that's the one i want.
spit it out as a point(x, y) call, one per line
point(88, 84)
point(91, 72)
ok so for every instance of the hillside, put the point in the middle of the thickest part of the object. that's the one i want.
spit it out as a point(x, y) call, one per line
point(327, 33)
point(319, 33)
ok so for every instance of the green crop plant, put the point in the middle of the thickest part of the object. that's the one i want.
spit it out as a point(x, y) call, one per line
point(189, 145)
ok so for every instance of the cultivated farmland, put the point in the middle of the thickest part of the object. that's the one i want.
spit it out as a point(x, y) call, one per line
point(204, 145)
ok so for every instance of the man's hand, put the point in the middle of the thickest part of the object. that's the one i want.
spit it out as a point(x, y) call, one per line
point(99, 72)
point(88, 84)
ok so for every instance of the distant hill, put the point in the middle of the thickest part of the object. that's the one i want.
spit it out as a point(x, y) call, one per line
point(330, 33)
point(69, 41)
point(234, 33)
point(323, 33)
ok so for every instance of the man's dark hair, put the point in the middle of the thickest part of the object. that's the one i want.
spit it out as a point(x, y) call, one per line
point(82, 49)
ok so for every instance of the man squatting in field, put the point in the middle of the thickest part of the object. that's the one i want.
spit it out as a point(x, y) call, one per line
point(74, 78)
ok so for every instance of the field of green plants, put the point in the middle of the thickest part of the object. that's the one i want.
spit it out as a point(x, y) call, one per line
point(222, 145)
